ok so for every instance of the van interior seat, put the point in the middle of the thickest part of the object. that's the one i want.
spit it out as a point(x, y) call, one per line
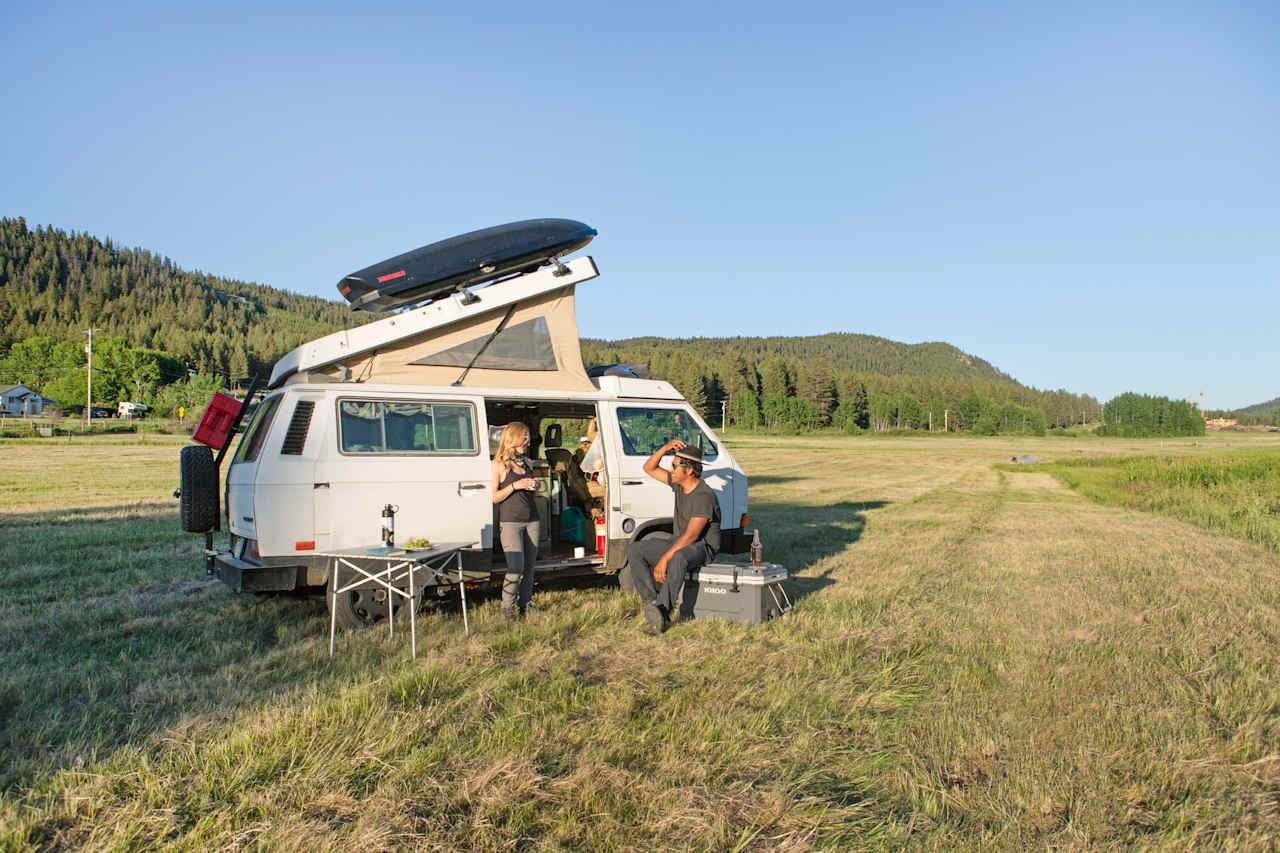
point(560, 460)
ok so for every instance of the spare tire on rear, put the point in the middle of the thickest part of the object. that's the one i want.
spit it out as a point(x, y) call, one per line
point(198, 498)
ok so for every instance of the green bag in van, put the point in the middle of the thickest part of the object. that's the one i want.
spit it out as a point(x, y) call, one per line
point(573, 526)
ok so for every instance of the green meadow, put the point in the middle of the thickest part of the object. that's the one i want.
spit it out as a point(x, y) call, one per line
point(1075, 655)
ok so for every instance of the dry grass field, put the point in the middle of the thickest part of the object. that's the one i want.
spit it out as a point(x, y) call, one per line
point(980, 658)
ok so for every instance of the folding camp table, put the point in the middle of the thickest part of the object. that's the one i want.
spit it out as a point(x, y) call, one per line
point(385, 570)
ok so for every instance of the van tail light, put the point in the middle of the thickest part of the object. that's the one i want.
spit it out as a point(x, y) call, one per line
point(746, 519)
point(304, 546)
point(251, 549)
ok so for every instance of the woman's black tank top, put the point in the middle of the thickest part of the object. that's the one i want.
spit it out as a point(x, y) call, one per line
point(519, 505)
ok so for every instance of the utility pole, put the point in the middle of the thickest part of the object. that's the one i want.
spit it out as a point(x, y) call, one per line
point(88, 391)
point(724, 413)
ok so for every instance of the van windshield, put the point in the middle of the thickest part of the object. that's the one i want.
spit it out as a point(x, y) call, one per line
point(643, 431)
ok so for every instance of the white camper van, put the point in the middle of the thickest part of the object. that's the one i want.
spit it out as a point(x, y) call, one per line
point(401, 412)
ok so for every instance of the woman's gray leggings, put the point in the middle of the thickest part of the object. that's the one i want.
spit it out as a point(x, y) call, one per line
point(520, 544)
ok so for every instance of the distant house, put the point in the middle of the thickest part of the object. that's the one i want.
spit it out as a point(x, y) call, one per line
point(20, 400)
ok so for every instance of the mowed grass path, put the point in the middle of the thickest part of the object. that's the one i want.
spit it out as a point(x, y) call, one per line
point(977, 660)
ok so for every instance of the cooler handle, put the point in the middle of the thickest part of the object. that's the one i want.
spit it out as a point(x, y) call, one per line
point(774, 593)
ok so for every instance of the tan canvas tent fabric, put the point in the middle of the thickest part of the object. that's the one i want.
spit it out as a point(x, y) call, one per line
point(540, 350)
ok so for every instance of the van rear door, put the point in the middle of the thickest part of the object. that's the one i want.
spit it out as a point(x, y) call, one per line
point(423, 456)
point(241, 519)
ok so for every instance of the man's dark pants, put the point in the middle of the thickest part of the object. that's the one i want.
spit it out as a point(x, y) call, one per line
point(645, 554)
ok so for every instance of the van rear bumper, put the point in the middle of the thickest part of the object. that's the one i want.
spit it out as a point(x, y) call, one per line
point(243, 576)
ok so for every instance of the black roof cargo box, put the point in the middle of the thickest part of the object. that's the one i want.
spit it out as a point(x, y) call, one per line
point(469, 259)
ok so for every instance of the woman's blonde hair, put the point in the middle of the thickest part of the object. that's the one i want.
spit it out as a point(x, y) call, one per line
point(513, 436)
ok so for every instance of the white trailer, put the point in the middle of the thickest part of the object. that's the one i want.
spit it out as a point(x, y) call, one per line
point(131, 410)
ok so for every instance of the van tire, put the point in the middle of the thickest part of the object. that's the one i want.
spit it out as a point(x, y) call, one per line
point(361, 607)
point(198, 485)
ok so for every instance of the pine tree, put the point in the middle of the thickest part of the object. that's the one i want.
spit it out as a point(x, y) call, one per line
point(739, 376)
point(820, 389)
point(775, 379)
point(860, 412)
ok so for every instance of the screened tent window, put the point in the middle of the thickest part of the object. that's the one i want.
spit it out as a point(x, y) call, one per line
point(256, 434)
point(524, 346)
point(385, 426)
point(643, 431)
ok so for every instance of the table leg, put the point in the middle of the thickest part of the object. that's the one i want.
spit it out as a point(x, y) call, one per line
point(462, 591)
point(413, 616)
point(391, 607)
point(333, 605)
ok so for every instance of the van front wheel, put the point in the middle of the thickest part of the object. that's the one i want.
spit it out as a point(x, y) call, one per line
point(367, 605)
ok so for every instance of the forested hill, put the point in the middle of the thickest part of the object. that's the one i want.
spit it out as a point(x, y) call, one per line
point(149, 311)
point(844, 352)
point(844, 380)
point(57, 284)
point(1268, 408)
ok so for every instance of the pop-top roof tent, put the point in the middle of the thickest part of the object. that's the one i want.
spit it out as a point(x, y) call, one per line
point(517, 332)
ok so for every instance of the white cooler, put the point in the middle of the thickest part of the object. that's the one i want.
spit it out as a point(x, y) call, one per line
point(738, 592)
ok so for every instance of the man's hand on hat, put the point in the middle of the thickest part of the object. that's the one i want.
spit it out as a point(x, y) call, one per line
point(676, 444)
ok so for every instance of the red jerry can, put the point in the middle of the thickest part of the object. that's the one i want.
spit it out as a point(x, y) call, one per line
point(214, 428)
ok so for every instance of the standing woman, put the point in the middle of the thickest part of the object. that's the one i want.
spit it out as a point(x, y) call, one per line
point(512, 486)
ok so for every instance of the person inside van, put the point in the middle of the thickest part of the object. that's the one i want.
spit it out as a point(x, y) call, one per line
point(512, 488)
point(584, 443)
point(695, 526)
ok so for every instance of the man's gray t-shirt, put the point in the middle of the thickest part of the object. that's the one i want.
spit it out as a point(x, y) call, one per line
point(700, 503)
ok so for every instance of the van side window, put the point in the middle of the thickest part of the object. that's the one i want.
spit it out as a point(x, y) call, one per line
point(256, 434)
point(396, 426)
point(645, 430)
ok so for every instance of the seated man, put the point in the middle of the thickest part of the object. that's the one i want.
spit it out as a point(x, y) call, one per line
point(696, 531)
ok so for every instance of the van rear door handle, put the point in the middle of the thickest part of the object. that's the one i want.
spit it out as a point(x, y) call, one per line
point(633, 482)
point(471, 486)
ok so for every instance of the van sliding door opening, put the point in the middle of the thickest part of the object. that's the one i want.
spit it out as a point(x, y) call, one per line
point(568, 499)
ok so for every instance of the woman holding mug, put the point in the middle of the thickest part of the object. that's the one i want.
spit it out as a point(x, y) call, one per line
point(512, 487)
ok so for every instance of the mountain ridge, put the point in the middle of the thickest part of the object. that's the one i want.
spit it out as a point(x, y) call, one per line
point(1270, 407)
point(55, 284)
point(854, 351)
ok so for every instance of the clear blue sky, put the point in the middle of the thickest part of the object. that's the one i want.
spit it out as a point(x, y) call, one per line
point(1085, 195)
